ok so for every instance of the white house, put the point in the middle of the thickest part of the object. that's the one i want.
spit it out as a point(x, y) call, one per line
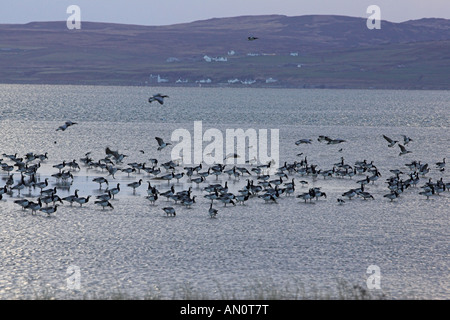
point(157, 78)
point(248, 82)
point(220, 59)
point(172, 59)
point(204, 81)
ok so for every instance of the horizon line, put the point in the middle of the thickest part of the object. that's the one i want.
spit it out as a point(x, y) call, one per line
point(218, 18)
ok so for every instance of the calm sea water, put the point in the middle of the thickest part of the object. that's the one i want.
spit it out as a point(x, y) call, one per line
point(136, 249)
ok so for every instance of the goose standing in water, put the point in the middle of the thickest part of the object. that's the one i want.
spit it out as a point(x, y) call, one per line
point(168, 193)
point(198, 180)
point(428, 192)
point(188, 201)
point(22, 202)
point(100, 181)
point(104, 204)
point(242, 198)
point(71, 198)
point(49, 210)
point(135, 185)
point(212, 212)
point(152, 198)
point(42, 185)
point(115, 190)
point(34, 206)
point(82, 200)
point(393, 195)
point(350, 194)
point(170, 211)
point(105, 196)
point(168, 177)
point(441, 164)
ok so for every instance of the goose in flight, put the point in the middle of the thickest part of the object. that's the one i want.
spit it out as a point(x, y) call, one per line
point(118, 156)
point(303, 141)
point(158, 97)
point(65, 125)
point(231, 155)
point(403, 150)
point(391, 142)
point(330, 140)
point(406, 139)
point(162, 144)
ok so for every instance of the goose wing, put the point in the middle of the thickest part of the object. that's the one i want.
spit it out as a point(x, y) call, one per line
point(160, 141)
point(388, 139)
point(159, 99)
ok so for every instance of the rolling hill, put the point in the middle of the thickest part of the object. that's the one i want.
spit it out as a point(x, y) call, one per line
point(319, 51)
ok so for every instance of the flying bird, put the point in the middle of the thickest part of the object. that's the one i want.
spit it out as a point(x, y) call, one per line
point(161, 143)
point(391, 142)
point(117, 156)
point(303, 141)
point(158, 97)
point(251, 38)
point(403, 150)
point(406, 139)
point(66, 125)
point(232, 155)
point(329, 140)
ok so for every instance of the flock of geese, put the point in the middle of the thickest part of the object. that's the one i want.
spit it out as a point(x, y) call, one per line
point(22, 173)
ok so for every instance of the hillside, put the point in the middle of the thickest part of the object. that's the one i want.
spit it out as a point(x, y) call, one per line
point(305, 51)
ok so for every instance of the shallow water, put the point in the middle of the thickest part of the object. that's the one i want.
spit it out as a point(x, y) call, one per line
point(136, 249)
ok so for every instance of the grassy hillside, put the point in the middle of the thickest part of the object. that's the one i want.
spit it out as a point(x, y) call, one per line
point(327, 51)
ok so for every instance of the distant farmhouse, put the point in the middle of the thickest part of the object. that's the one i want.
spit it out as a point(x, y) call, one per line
point(217, 59)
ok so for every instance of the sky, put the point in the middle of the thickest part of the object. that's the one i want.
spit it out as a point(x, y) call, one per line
point(165, 12)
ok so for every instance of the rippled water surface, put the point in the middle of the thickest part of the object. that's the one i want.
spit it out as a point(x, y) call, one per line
point(134, 248)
